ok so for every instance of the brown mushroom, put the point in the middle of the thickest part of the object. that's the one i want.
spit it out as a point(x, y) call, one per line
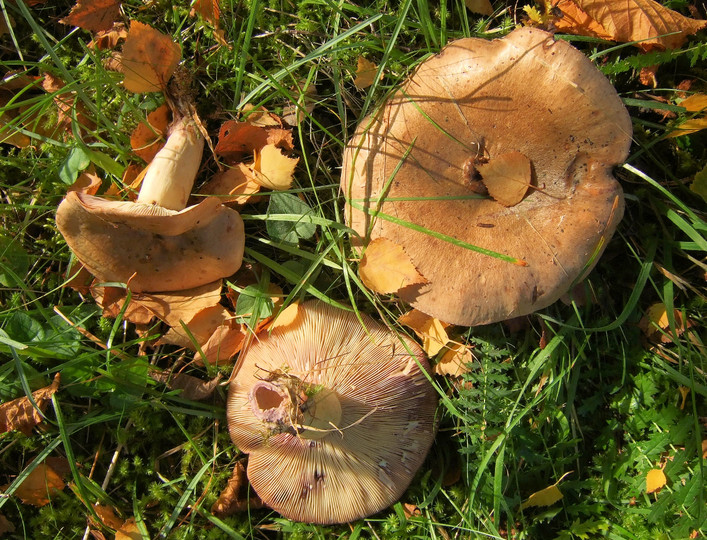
point(410, 174)
point(156, 244)
point(336, 416)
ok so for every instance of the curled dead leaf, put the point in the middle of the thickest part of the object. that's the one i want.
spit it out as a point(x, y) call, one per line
point(432, 331)
point(236, 496)
point(22, 415)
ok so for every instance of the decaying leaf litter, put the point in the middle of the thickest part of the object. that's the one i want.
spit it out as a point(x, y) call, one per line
point(255, 153)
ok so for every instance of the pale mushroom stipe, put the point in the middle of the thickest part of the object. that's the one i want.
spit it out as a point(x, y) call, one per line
point(409, 175)
point(156, 244)
point(336, 418)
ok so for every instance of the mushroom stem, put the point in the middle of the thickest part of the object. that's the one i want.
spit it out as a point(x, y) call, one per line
point(170, 176)
point(288, 405)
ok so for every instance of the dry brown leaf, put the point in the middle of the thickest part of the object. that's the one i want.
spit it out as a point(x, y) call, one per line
point(128, 531)
point(112, 299)
point(576, 21)
point(225, 342)
point(238, 140)
point(45, 481)
point(208, 10)
point(181, 305)
point(646, 21)
point(483, 7)
point(232, 185)
point(93, 15)
point(365, 73)
point(655, 324)
point(411, 510)
point(9, 124)
point(704, 449)
point(78, 278)
point(655, 480)
point(107, 517)
point(191, 387)
point(68, 107)
point(455, 361)
point(432, 331)
point(507, 177)
point(20, 413)
point(273, 170)
point(236, 496)
point(87, 182)
point(109, 39)
point(647, 76)
point(149, 59)
point(386, 268)
point(201, 327)
point(149, 136)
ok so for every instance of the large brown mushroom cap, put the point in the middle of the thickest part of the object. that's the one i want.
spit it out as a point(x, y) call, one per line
point(480, 99)
point(151, 248)
point(336, 418)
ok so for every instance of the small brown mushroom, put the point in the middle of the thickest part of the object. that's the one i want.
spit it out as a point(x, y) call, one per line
point(156, 244)
point(336, 417)
point(410, 175)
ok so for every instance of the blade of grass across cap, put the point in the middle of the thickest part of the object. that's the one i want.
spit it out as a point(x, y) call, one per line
point(441, 236)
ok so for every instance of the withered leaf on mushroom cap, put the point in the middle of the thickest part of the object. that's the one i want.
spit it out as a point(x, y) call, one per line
point(412, 163)
point(381, 431)
point(151, 248)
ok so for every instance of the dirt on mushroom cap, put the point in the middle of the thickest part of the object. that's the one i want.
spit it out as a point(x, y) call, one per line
point(524, 93)
point(366, 461)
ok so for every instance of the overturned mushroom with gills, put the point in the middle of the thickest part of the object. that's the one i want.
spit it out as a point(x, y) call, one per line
point(417, 172)
point(157, 244)
point(336, 417)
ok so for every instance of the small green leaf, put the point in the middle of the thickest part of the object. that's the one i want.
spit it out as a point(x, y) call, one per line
point(254, 302)
point(289, 232)
point(23, 328)
point(77, 160)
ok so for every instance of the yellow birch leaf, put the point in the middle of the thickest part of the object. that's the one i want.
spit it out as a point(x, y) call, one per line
point(386, 268)
point(507, 177)
point(40, 485)
point(455, 362)
point(128, 531)
point(647, 21)
point(655, 480)
point(545, 497)
point(365, 73)
point(479, 6)
point(232, 185)
point(149, 59)
point(692, 125)
point(695, 103)
point(286, 316)
point(432, 331)
point(274, 170)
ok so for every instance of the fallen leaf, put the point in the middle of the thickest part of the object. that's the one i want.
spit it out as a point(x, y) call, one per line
point(93, 15)
point(699, 184)
point(507, 177)
point(20, 413)
point(386, 268)
point(232, 185)
point(106, 517)
point(273, 170)
point(191, 387)
point(655, 480)
point(201, 327)
point(655, 324)
point(645, 21)
point(545, 497)
point(411, 510)
point(260, 116)
point(42, 483)
point(286, 317)
point(67, 105)
point(207, 9)
point(573, 20)
point(181, 305)
point(483, 7)
point(87, 182)
point(128, 531)
point(236, 496)
point(432, 331)
point(695, 103)
point(237, 140)
point(109, 39)
point(692, 125)
point(647, 76)
point(224, 343)
point(9, 124)
point(149, 59)
point(704, 449)
point(149, 136)
point(112, 301)
point(365, 73)
point(455, 361)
